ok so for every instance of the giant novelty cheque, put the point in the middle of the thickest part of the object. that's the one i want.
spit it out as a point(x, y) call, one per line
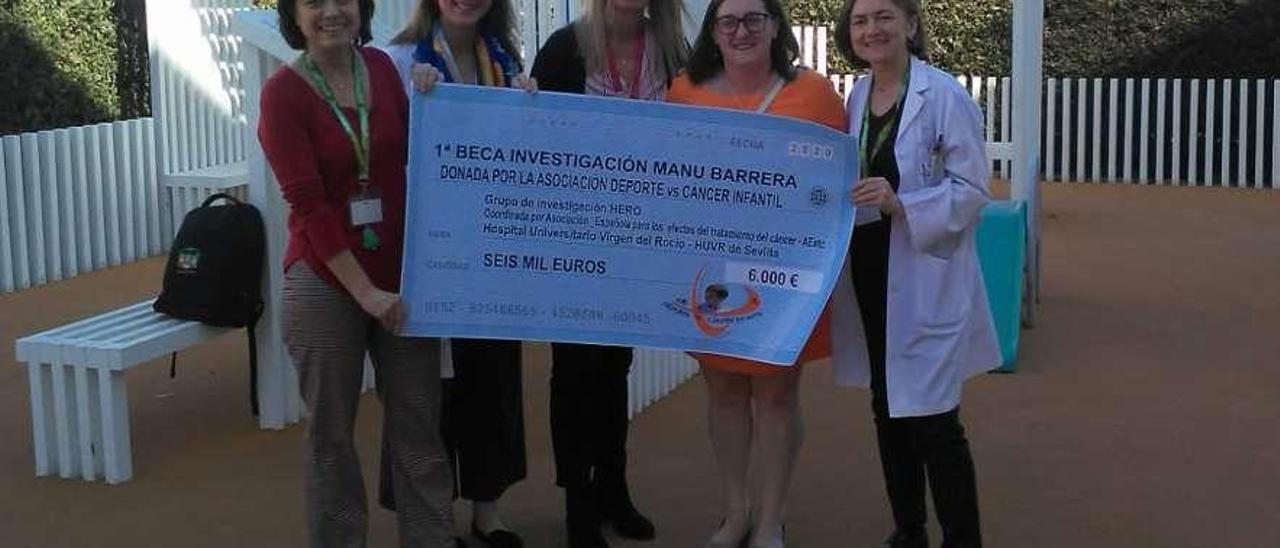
point(560, 217)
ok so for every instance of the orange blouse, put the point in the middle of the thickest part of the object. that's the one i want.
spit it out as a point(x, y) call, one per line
point(808, 97)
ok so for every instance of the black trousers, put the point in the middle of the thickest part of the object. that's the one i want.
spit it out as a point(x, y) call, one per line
point(589, 414)
point(913, 450)
point(486, 417)
point(933, 447)
point(482, 422)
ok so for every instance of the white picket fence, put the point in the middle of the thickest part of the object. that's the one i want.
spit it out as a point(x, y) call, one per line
point(813, 47)
point(77, 199)
point(1188, 132)
point(1193, 132)
point(654, 374)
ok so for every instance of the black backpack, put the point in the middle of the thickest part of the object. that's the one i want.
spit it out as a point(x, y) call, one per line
point(214, 272)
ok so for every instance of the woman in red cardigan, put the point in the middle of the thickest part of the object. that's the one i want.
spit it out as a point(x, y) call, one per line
point(334, 128)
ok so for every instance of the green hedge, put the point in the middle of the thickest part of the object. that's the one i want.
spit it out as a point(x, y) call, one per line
point(71, 62)
point(1185, 38)
point(1175, 38)
point(74, 62)
point(964, 34)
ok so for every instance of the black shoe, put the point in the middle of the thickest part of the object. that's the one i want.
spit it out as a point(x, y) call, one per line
point(583, 519)
point(631, 524)
point(498, 538)
point(616, 508)
point(459, 543)
point(581, 537)
point(903, 539)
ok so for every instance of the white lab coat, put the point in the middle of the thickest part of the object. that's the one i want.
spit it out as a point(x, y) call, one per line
point(939, 330)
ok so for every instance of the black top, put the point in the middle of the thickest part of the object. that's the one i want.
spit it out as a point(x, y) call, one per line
point(559, 65)
point(885, 163)
point(870, 244)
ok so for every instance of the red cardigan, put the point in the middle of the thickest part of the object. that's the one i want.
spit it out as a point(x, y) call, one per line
point(313, 160)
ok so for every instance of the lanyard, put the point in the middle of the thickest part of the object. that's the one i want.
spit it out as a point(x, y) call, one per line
point(361, 143)
point(487, 73)
point(616, 79)
point(778, 82)
point(887, 128)
point(452, 73)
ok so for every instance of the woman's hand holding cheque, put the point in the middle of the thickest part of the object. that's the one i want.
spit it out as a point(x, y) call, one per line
point(876, 192)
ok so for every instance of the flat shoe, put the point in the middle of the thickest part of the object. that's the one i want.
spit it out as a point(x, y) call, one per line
point(783, 531)
point(632, 524)
point(901, 539)
point(498, 538)
point(742, 542)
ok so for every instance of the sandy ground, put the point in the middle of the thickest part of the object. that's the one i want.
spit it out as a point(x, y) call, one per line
point(1145, 412)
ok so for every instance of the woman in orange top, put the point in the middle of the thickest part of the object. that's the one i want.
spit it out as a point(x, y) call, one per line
point(744, 59)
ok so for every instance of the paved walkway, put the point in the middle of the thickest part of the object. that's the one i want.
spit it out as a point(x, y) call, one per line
point(1145, 412)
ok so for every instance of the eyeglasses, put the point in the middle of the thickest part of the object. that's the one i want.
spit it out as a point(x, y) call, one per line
point(754, 21)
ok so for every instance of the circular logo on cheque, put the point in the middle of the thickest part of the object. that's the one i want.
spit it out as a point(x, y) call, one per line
point(818, 196)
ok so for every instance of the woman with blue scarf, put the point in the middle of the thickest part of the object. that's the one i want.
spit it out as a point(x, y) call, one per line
point(460, 42)
point(472, 42)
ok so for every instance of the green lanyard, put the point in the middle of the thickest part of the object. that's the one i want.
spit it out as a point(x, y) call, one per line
point(369, 238)
point(361, 143)
point(887, 128)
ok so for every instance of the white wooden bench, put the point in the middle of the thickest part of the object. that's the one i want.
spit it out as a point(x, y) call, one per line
point(79, 404)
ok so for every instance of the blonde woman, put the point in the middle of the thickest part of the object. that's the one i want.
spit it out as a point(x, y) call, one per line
point(620, 48)
point(627, 49)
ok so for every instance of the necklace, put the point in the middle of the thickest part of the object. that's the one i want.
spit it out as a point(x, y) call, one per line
point(615, 70)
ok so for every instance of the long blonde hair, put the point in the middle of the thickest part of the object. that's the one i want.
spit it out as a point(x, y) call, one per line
point(663, 23)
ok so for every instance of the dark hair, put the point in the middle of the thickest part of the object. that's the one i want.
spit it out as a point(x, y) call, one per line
point(288, 10)
point(706, 60)
point(497, 22)
point(917, 44)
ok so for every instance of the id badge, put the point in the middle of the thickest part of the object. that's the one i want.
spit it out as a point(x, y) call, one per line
point(366, 207)
point(863, 215)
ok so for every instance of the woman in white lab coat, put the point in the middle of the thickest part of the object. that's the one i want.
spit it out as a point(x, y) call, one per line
point(910, 317)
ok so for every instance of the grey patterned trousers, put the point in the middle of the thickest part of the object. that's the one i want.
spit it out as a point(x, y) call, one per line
point(327, 335)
